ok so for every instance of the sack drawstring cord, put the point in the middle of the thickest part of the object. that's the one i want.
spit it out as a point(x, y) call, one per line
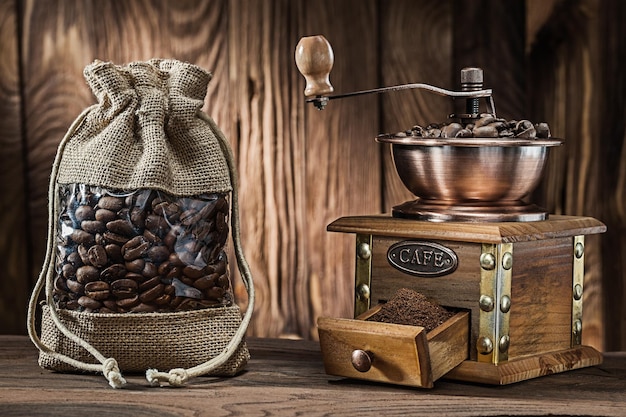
point(109, 366)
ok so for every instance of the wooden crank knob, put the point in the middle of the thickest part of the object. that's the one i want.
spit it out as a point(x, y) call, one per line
point(315, 59)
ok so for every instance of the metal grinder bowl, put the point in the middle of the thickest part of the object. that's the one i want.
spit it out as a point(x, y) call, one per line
point(475, 179)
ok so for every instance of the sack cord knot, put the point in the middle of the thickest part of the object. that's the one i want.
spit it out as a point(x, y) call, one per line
point(112, 373)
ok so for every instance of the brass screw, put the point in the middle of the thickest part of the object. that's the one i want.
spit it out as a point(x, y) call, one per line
point(505, 304)
point(364, 251)
point(578, 327)
point(363, 292)
point(486, 303)
point(507, 260)
point(578, 292)
point(505, 341)
point(484, 345)
point(579, 250)
point(487, 261)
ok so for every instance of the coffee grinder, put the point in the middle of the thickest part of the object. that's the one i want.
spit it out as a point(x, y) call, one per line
point(469, 242)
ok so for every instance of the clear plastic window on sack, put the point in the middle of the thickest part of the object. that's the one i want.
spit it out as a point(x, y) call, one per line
point(140, 251)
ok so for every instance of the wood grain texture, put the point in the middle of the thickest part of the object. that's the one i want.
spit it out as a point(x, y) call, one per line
point(287, 378)
point(496, 232)
point(400, 354)
point(415, 47)
point(527, 367)
point(342, 160)
point(300, 169)
point(15, 277)
point(541, 297)
point(612, 178)
point(490, 34)
point(582, 100)
point(59, 40)
point(266, 123)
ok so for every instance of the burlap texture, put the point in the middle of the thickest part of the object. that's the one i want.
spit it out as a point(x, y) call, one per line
point(150, 340)
point(145, 131)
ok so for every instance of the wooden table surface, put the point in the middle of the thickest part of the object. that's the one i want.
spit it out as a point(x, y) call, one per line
point(286, 377)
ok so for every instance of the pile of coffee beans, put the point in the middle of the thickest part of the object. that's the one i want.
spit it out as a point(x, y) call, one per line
point(486, 126)
point(143, 251)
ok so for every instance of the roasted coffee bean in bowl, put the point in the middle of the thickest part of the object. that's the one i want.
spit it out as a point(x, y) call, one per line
point(140, 251)
point(487, 161)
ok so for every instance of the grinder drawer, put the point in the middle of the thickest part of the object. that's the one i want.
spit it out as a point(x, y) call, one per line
point(392, 353)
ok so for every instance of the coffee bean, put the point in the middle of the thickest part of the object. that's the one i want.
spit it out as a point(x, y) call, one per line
point(74, 259)
point(121, 252)
point(89, 303)
point(87, 273)
point(128, 303)
point(147, 284)
point(143, 308)
point(136, 265)
point(149, 270)
point(224, 282)
point(135, 248)
point(135, 277)
point(193, 271)
point(60, 285)
point(68, 271)
point(158, 254)
point(175, 259)
point(97, 256)
point(170, 290)
point(111, 237)
point(486, 126)
point(451, 130)
point(105, 215)
point(172, 237)
point(121, 227)
point(98, 290)
point(156, 224)
point(111, 203)
point(151, 237)
point(114, 252)
point(75, 287)
point(124, 288)
point(220, 222)
point(189, 217)
point(485, 132)
point(220, 267)
point(93, 226)
point(163, 299)
point(175, 272)
point(138, 217)
point(113, 272)
point(111, 305)
point(222, 205)
point(84, 212)
point(206, 281)
point(214, 293)
point(152, 293)
point(82, 237)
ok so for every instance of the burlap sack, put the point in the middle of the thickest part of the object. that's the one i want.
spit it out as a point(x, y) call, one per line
point(146, 132)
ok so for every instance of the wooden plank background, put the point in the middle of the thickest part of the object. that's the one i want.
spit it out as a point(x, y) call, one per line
point(556, 61)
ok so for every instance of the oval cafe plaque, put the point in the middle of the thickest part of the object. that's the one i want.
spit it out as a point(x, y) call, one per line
point(422, 259)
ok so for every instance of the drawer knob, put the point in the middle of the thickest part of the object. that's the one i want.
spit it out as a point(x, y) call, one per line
point(362, 360)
